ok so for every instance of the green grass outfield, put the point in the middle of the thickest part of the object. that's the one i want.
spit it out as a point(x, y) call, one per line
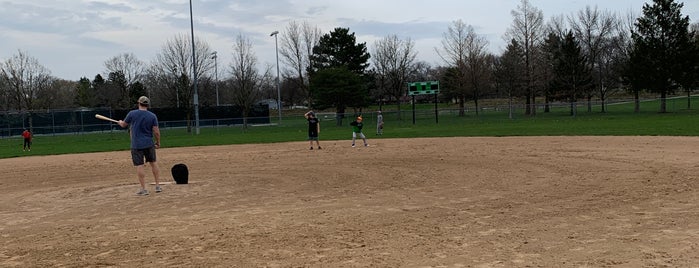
point(620, 120)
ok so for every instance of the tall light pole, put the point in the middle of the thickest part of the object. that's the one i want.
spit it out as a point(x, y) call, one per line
point(194, 69)
point(279, 92)
point(215, 57)
point(177, 85)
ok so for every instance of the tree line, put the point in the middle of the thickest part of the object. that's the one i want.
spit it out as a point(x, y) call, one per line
point(577, 58)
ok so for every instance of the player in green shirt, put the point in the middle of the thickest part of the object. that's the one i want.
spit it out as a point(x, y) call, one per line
point(357, 126)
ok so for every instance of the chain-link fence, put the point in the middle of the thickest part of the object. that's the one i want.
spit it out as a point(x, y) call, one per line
point(58, 122)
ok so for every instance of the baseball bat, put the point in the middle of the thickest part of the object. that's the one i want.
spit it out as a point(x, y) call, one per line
point(99, 116)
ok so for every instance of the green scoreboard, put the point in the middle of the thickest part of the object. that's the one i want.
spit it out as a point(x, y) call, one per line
point(420, 88)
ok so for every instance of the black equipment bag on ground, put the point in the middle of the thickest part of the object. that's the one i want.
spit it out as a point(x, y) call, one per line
point(180, 173)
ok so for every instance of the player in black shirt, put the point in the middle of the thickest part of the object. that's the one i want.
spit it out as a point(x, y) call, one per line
point(313, 128)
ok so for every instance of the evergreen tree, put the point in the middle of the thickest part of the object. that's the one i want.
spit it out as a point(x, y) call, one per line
point(661, 49)
point(550, 53)
point(339, 48)
point(118, 90)
point(572, 72)
point(509, 73)
point(136, 90)
point(690, 76)
point(338, 71)
point(83, 96)
point(338, 88)
point(450, 82)
point(99, 90)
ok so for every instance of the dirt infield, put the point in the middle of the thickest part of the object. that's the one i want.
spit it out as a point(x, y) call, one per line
point(434, 202)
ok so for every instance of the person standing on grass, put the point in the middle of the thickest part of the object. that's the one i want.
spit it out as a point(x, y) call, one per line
point(144, 127)
point(313, 128)
point(357, 126)
point(379, 123)
point(27, 135)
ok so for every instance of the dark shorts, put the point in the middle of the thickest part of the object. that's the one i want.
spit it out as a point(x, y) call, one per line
point(137, 155)
point(312, 136)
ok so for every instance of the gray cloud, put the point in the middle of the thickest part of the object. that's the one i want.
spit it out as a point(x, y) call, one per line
point(101, 6)
point(412, 29)
point(81, 31)
point(66, 20)
point(315, 11)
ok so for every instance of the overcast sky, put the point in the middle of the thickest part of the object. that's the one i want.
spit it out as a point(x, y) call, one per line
point(73, 38)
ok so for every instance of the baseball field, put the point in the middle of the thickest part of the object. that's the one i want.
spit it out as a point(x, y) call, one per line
point(424, 202)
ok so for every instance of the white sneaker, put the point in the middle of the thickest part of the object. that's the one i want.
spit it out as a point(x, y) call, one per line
point(158, 189)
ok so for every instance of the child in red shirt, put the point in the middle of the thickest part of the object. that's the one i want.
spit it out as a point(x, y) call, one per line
point(27, 140)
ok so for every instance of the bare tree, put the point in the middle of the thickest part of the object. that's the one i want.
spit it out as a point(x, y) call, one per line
point(614, 56)
point(169, 77)
point(5, 93)
point(454, 54)
point(128, 64)
point(293, 55)
point(557, 25)
point(25, 79)
point(527, 29)
point(129, 68)
point(161, 85)
point(297, 44)
point(625, 43)
point(423, 71)
point(594, 29)
point(245, 80)
point(478, 66)
point(268, 86)
point(61, 95)
point(464, 49)
point(170, 74)
point(394, 62)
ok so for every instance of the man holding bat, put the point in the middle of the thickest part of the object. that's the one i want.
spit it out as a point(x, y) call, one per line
point(144, 127)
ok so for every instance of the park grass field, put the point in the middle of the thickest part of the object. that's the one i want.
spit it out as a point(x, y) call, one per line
point(619, 120)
